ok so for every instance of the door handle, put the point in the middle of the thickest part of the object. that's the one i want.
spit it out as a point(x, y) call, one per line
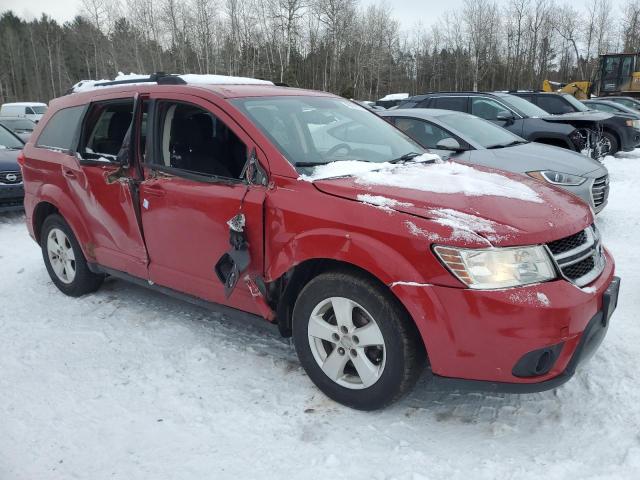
point(68, 173)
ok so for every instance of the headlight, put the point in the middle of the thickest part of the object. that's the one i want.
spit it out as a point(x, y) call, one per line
point(636, 124)
point(498, 267)
point(557, 178)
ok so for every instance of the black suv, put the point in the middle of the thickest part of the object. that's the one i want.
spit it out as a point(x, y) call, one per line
point(516, 115)
point(616, 130)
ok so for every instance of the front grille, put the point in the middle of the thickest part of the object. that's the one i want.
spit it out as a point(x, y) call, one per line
point(579, 256)
point(11, 178)
point(600, 190)
point(568, 243)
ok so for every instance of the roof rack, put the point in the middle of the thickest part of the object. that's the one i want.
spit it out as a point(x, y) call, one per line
point(160, 78)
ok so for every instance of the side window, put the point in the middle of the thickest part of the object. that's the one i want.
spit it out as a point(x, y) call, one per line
point(29, 111)
point(554, 104)
point(105, 128)
point(425, 133)
point(603, 108)
point(61, 131)
point(194, 140)
point(486, 108)
point(458, 104)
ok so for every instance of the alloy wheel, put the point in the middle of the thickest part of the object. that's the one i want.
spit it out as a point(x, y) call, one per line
point(61, 256)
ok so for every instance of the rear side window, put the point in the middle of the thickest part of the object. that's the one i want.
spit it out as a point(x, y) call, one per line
point(62, 130)
point(105, 129)
point(458, 104)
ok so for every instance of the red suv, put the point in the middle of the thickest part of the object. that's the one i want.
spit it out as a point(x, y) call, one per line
point(315, 214)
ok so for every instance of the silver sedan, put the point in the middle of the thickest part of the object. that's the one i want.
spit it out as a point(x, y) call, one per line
point(466, 138)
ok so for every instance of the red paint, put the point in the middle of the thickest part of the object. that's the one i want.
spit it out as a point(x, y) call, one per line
point(468, 334)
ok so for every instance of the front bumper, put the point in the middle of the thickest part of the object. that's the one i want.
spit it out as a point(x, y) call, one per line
point(11, 197)
point(481, 335)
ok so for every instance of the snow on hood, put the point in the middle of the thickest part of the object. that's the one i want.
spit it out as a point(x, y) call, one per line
point(441, 177)
point(472, 203)
point(394, 96)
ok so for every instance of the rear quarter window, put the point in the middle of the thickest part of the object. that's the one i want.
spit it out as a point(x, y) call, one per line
point(62, 130)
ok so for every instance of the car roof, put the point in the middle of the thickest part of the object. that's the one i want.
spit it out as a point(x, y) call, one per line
point(425, 113)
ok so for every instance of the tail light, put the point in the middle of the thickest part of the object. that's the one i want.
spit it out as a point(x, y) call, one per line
point(21, 158)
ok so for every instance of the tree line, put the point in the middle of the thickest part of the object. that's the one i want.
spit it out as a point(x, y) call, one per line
point(335, 45)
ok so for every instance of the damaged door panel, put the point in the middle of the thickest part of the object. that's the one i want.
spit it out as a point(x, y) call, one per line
point(195, 183)
point(101, 186)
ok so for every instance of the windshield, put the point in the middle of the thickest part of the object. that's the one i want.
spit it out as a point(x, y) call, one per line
point(524, 106)
point(8, 140)
point(317, 130)
point(577, 104)
point(19, 124)
point(479, 131)
point(39, 109)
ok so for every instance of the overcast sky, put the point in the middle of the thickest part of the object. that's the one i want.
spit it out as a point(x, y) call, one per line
point(409, 12)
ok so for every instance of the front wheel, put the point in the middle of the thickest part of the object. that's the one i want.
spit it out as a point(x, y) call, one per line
point(355, 342)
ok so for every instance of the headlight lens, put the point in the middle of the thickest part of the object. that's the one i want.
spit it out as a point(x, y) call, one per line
point(499, 267)
point(557, 178)
point(636, 124)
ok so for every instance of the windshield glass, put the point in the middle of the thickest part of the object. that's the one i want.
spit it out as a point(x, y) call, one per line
point(8, 140)
point(318, 130)
point(524, 106)
point(39, 109)
point(19, 124)
point(577, 104)
point(479, 131)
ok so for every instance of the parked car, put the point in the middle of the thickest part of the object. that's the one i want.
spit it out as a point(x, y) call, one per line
point(616, 133)
point(31, 110)
point(374, 256)
point(466, 138)
point(632, 116)
point(507, 111)
point(626, 101)
point(11, 191)
point(22, 127)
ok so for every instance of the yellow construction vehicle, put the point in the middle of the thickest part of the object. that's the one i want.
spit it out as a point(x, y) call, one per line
point(618, 74)
point(580, 90)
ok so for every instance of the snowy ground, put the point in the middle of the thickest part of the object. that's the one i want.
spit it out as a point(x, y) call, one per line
point(130, 384)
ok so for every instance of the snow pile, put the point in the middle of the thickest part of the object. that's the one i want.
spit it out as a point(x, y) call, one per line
point(394, 96)
point(448, 177)
point(86, 85)
point(342, 168)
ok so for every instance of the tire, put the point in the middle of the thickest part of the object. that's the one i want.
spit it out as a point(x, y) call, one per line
point(64, 259)
point(612, 147)
point(389, 369)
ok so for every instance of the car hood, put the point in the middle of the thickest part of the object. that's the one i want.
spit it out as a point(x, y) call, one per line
point(9, 160)
point(536, 156)
point(504, 208)
point(579, 116)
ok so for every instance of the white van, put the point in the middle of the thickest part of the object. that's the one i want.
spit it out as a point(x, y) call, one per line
point(31, 110)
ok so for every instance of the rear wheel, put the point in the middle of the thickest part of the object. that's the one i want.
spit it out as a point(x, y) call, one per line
point(64, 259)
point(355, 342)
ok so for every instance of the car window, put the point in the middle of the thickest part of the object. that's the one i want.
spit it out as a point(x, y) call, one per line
point(554, 104)
point(577, 104)
point(39, 109)
point(487, 108)
point(194, 140)
point(521, 105)
point(309, 130)
point(105, 128)
point(425, 133)
point(479, 131)
point(61, 131)
point(18, 124)
point(458, 104)
point(602, 107)
point(29, 111)
point(8, 140)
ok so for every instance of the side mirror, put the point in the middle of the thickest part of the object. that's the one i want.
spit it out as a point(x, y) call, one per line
point(505, 116)
point(449, 143)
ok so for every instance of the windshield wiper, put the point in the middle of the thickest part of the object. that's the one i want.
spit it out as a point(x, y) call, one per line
point(315, 164)
point(406, 157)
point(505, 145)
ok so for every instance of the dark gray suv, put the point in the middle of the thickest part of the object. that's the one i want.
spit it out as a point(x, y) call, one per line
point(508, 111)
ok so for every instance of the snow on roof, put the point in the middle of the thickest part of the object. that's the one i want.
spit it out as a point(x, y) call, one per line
point(395, 96)
point(26, 104)
point(193, 79)
point(441, 177)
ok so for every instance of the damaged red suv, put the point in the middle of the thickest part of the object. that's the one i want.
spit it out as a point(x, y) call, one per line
point(315, 214)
